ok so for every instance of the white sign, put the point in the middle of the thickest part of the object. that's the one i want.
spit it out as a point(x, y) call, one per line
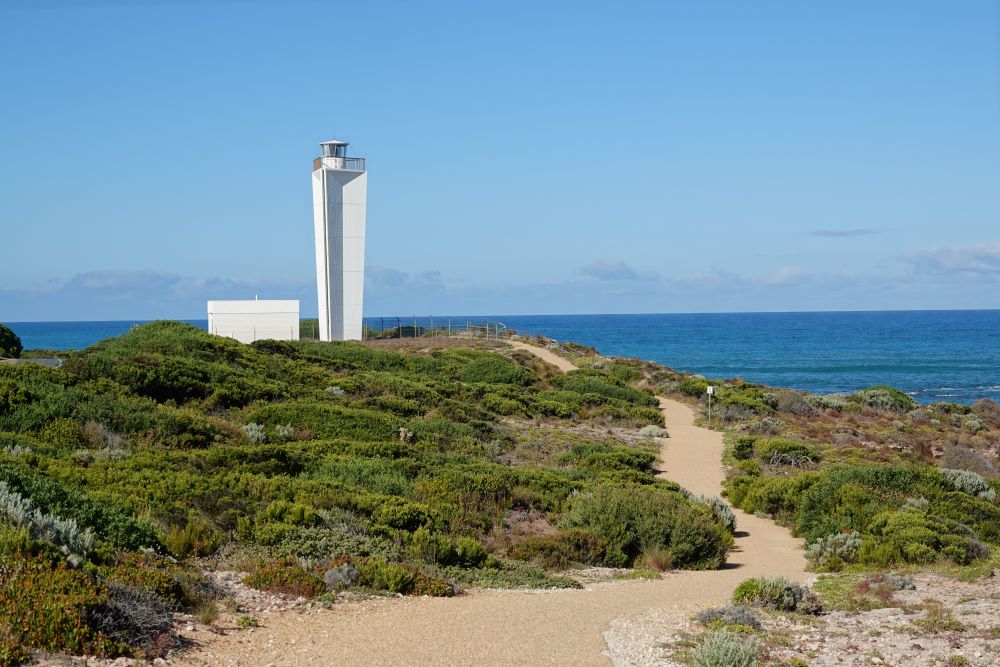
point(710, 390)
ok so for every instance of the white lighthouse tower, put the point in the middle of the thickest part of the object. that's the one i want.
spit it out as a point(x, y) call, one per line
point(340, 187)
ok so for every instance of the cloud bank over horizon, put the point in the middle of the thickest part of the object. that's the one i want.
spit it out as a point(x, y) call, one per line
point(965, 276)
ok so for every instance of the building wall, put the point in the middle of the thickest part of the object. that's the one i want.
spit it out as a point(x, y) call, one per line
point(339, 203)
point(247, 321)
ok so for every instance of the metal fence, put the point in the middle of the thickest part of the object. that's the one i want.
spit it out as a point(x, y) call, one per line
point(386, 328)
point(377, 328)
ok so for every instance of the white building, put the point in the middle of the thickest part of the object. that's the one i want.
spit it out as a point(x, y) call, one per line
point(247, 321)
point(340, 190)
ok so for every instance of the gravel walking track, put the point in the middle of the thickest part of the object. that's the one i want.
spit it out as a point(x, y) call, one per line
point(603, 624)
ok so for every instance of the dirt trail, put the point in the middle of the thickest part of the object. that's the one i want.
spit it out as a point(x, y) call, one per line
point(561, 627)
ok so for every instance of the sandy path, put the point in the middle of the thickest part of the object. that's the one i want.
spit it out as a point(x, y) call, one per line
point(562, 363)
point(562, 627)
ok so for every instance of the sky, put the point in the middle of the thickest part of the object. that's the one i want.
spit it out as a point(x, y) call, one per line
point(523, 157)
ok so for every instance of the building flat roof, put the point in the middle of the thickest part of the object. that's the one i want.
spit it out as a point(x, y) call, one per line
point(337, 142)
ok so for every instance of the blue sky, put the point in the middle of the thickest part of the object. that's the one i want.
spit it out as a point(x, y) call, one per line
point(524, 157)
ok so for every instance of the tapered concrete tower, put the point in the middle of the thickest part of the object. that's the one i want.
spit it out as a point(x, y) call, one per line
point(340, 191)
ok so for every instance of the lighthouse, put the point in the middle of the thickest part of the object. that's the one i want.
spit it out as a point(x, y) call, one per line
point(340, 186)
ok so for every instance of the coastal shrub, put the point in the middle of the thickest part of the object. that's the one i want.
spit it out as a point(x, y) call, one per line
point(632, 520)
point(974, 424)
point(721, 510)
point(743, 400)
point(136, 618)
point(327, 420)
point(559, 551)
point(963, 458)
point(835, 402)
point(794, 403)
point(884, 397)
point(286, 578)
point(48, 606)
point(255, 433)
point(501, 405)
point(64, 433)
point(653, 431)
point(730, 615)
point(776, 593)
point(197, 537)
point(765, 426)
point(12, 395)
point(10, 343)
point(593, 382)
point(969, 482)
point(781, 451)
point(987, 410)
point(744, 448)
point(553, 409)
point(108, 522)
point(340, 577)
point(64, 533)
point(495, 369)
point(443, 550)
point(237, 391)
point(723, 648)
point(834, 551)
point(693, 385)
point(320, 543)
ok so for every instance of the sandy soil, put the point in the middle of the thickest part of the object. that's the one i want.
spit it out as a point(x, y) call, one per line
point(558, 627)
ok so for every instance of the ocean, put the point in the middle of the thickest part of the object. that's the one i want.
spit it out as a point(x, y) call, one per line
point(949, 355)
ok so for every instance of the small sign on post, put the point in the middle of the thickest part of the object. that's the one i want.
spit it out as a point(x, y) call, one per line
point(710, 390)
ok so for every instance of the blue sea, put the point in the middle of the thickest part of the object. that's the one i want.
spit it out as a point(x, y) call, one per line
point(949, 355)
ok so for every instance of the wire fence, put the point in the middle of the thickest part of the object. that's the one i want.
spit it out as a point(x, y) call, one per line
point(385, 328)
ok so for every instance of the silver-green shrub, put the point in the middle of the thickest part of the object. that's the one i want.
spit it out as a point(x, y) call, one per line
point(834, 550)
point(969, 482)
point(255, 433)
point(653, 431)
point(284, 432)
point(973, 423)
point(837, 402)
point(335, 391)
point(720, 509)
point(15, 450)
point(920, 504)
point(723, 648)
point(733, 614)
point(64, 533)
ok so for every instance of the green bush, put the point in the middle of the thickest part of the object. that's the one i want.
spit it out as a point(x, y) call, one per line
point(197, 537)
point(494, 369)
point(10, 344)
point(777, 593)
point(632, 520)
point(559, 551)
point(781, 450)
point(330, 421)
point(442, 550)
point(501, 405)
point(744, 448)
point(693, 385)
point(591, 382)
point(884, 397)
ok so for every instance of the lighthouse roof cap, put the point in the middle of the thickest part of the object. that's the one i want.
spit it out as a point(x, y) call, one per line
point(336, 142)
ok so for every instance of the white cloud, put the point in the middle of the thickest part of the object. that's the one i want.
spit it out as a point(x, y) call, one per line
point(982, 258)
point(615, 269)
point(845, 233)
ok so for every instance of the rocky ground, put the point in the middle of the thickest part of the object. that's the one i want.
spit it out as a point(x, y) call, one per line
point(940, 622)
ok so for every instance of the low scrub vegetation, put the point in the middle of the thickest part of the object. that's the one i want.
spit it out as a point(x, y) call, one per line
point(337, 466)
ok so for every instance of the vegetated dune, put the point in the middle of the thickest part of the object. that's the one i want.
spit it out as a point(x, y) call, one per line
point(556, 627)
